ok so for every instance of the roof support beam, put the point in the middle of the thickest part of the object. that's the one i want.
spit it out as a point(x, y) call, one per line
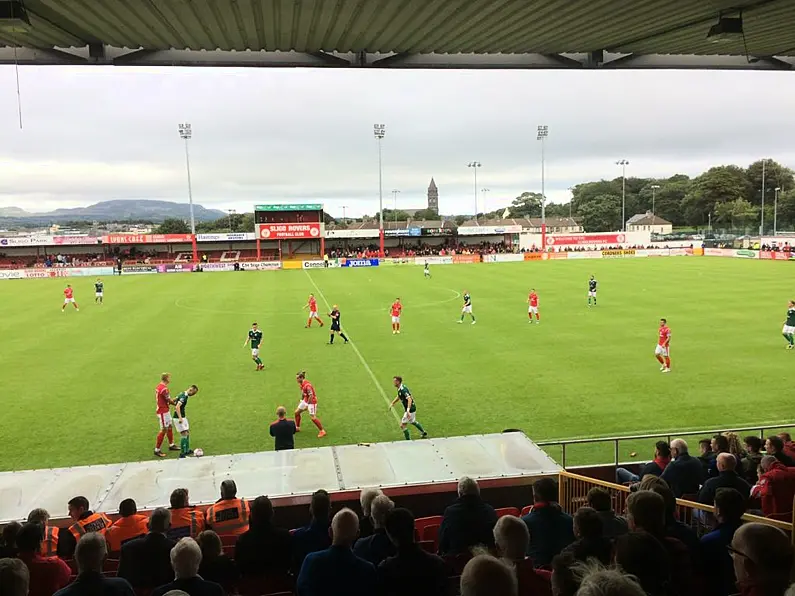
point(39, 56)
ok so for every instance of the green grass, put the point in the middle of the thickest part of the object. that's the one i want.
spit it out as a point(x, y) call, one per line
point(78, 388)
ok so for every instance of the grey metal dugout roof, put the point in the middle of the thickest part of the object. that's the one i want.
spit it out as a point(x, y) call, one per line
point(560, 34)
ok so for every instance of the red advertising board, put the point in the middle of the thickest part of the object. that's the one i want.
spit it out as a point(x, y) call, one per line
point(62, 240)
point(466, 259)
point(287, 231)
point(146, 238)
point(579, 239)
point(778, 256)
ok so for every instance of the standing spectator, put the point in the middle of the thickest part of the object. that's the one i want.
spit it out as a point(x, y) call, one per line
point(228, 515)
point(366, 521)
point(717, 564)
point(186, 521)
point(662, 455)
point(484, 575)
point(264, 548)
point(613, 525)
point(641, 554)
point(411, 566)
point(283, 430)
point(512, 539)
point(789, 446)
point(752, 459)
point(762, 557)
point(216, 566)
point(186, 558)
point(145, 562)
point(706, 457)
point(775, 447)
point(90, 556)
point(468, 522)
point(684, 473)
point(47, 575)
point(130, 525)
point(85, 521)
point(727, 478)
point(49, 546)
point(315, 536)
point(551, 529)
point(776, 486)
point(377, 547)
point(336, 571)
point(589, 537)
point(14, 577)
point(9, 547)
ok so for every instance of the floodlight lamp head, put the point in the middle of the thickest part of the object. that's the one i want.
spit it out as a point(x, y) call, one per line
point(185, 130)
point(543, 132)
point(379, 130)
point(474, 164)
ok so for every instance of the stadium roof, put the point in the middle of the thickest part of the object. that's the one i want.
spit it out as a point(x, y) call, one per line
point(610, 34)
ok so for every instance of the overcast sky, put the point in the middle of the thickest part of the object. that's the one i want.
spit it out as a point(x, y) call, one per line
point(273, 135)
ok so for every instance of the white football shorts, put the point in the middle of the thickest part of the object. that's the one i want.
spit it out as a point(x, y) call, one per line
point(303, 406)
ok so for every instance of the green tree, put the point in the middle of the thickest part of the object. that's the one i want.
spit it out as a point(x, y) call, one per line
point(601, 213)
point(785, 218)
point(392, 215)
point(721, 184)
point(737, 214)
point(557, 210)
point(776, 176)
point(527, 204)
point(425, 215)
point(173, 225)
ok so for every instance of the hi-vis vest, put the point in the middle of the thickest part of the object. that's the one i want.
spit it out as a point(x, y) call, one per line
point(126, 528)
point(96, 522)
point(228, 516)
point(185, 522)
point(49, 546)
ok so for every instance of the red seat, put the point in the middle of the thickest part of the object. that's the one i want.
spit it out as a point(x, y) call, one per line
point(228, 539)
point(508, 511)
point(111, 565)
point(229, 550)
point(431, 534)
point(526, 509)
point(427, 545)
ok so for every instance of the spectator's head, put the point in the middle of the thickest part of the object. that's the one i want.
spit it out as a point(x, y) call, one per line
point(399, 527)
point(485, 575)
point(29, 538)
point(186, 557)
point(127, 508)
point(281, 412)
point(646, 511)
point(39, 516)
point(228, 489)
point(667, 494)
point(753, 444)
point(678, 447)
point(599, 581)
point(10, 532)
point(774, 445)
point(735, 446)
point(210, 544)
point(379, 509)
point(587, 524)
point(661, 449)
point(642, 555)
point(599, 498)
point(726, 462)
point(545, 490)
point(261, 511)
point(564, 579)
point(786, 437)
point(511, 537)
point(160, 520)
point(179, 498)
point(14, 577)
point(320, 505)
point(366, 499)
point(762, 556)
point(705, 446)
point(767, 462)
point(729, 506)
point(90, 552)
point(720, 444)
point(344, 528)
point(649, 481)
point(468, 487)
point(77, 507)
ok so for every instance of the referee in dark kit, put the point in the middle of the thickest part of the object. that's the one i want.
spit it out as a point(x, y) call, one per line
point(335, 325)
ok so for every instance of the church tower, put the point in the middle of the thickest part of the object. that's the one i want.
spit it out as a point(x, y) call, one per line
point(433, 197)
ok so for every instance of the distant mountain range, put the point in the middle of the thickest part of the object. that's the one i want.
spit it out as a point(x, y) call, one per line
point(107, 211)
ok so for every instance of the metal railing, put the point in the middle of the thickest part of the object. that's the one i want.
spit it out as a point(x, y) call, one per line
point(563, 443)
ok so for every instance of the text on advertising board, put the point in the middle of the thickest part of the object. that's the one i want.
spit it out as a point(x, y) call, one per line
point(577, 239)
point(618, 253)
point(293, 207)
point(287, 231)
point(146, 238)
point(360, 263)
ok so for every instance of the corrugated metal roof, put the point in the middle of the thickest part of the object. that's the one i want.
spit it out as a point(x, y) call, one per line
point(409, 26)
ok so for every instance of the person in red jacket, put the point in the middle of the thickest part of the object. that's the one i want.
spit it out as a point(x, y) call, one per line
point(776, 486)
point(47, 574)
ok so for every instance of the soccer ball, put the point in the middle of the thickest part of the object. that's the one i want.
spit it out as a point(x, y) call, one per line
point(198, 453)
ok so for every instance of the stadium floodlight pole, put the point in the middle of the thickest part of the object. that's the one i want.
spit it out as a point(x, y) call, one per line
point(379, 130)
point(395, 193)
point(185, 133)
point(762, 222)
point(654, 188)
point(623, 163)
point(475, 165)
point(543, 133)
point(344, 219)
point(775, 210)
point(484, 191)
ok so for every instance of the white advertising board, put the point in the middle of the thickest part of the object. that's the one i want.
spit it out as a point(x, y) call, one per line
point(433, 260)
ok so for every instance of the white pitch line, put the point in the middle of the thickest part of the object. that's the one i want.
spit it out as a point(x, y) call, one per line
point(356, 350)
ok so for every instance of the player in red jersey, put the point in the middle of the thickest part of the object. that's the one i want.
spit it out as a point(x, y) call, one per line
point(308, 402)
point(532, 300)
point(662, 351)
point(164, 402)
point(69, 297)
point(312, 306)
point(396, 309)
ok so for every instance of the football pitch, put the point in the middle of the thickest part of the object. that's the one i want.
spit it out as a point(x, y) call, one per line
point(77, 388)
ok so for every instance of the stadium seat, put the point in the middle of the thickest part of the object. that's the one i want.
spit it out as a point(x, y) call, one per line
point(229, 550)
point(431, 534)
point(526, 509)
point(428, 546)
point(268, 584)
point(111, 565)
point(507, 511)
point(421, 522)
point(228, 539)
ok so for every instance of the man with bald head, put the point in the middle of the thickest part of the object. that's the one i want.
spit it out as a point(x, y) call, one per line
point(684, 473)
point(762, 558)
point(336, 571)
point(485, 575)
point(727, 478)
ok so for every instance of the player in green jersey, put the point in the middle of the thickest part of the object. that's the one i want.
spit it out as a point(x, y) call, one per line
point(99, 291)
point(181, 420)
point(467, 310)
point(255, 338)
point(789, 326)
point(410, 413)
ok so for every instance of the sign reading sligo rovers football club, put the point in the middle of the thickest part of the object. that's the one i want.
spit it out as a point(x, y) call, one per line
point(287, 231)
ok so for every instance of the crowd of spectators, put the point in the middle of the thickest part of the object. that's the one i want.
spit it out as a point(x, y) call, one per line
point(423, 249)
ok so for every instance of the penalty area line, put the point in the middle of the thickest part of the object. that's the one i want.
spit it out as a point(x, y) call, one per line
point(356, 350)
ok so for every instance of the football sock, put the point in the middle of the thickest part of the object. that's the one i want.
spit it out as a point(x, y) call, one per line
point(298, 420)
point(418, 426)
point(791, 339)
point(309, 322)
point(316, 422)
point(538, 316)
point(667, 362)
point(170, 435)
point(331, 339)
point(473, 318)
point(321, 322)
point(660, 359)
point(462, 317)
point(258, 361)
point(160, 436)
point(342, 335)
point(407, 434)
point(183, 445)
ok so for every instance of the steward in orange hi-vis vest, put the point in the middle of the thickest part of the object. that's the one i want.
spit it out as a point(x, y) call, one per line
point(186, 521)
point(130, 525)
point(228, 515)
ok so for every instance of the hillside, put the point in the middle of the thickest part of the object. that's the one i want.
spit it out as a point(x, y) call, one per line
point(117, 210)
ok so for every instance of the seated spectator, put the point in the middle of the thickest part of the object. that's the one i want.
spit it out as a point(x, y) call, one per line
point(49, 546)
point(336, 571)
point(717, 564)
point(776, 486)
point(315, 536)
point(684, 473)
point(8, 549)
point(468, 522)
point(599, 581)
point(565, 582)
point(775, 447)
point(752, 459)
point(642, 555)
point(186, 558)
point(130, 525)
point(735, 447)
point(90, 554)
point(216, 566)
point(264, 549)
point(706, 457)
point(377, 547)
point(484, 575)
point(720, 444)
point(551, 529)
point(411, 566)
point(613, 525)
point(662, 456)
point(228, 515)
point(727, 478)
point(762, 558)
point(512, 539)
point(14, 577)
point(47, 575)
point(789, 446)
point(365, 521)
point(676, 528)
point(186, 521)
point(145, 562)
point(589, 542)
point(85, 521)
